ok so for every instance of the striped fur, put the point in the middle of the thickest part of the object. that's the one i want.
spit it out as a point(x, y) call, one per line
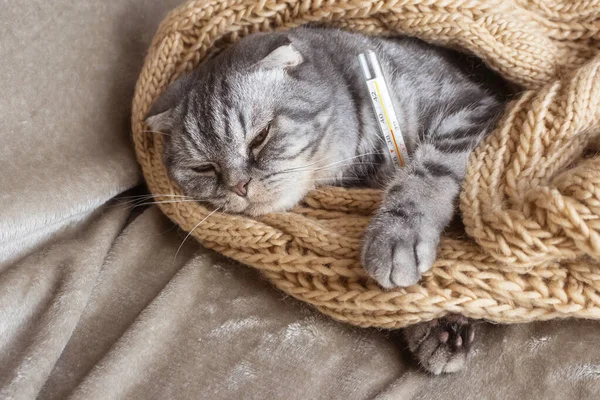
point(302, 91)
point(305, 86)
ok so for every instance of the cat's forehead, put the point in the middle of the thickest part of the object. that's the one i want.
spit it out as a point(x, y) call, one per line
point(254, 86)
point(242, 97)
point(216, 122)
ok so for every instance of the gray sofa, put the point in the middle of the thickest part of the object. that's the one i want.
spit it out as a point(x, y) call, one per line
point(100, 299)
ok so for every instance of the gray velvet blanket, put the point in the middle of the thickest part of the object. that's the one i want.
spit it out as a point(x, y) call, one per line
point(101, 300)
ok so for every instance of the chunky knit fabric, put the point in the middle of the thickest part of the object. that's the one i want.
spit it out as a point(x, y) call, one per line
point(531, 198)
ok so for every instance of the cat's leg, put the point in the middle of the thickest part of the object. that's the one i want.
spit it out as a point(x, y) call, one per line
point(401, 241)
point(442, 345)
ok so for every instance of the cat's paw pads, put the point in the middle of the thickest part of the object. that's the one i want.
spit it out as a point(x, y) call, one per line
point(396, 255)
point(442, 345)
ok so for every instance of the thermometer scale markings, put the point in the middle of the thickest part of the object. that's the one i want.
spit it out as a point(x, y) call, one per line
point(382, 105)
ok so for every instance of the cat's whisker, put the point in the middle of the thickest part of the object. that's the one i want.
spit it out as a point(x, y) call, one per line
point(302, 168)
point(168, 202)
point(335, 179)
point(120, 202)
point(160, 133)
point(154, 195)
point(313, 163)
point(332, 180)
point(149, 203)
point(318, 191)
point(347, 159)
point(329, 167)
point(150, 196)
point(190, 232)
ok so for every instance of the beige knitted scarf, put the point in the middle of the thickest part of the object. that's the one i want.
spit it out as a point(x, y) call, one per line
point(531, 199)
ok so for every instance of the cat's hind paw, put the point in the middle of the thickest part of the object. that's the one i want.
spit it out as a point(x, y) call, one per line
point(443, 345)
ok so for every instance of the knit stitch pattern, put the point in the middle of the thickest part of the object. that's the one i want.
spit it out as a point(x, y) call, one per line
point(530, 202)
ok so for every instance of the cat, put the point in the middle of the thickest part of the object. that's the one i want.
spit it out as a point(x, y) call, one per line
point(254, 129)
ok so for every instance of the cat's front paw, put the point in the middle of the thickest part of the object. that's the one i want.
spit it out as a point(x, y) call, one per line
point(396, 251)
point(442, 345)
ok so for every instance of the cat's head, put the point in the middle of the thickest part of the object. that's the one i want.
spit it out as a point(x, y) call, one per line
point(244, 130)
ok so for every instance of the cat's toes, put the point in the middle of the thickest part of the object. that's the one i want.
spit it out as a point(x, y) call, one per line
point(390, 263)
point(442, 345)
point(398, 257)
point(426, 251)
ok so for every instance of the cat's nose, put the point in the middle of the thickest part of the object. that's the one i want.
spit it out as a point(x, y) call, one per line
point(241, 188)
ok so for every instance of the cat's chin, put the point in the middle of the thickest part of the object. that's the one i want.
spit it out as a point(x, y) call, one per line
point(270, 203)
point(259, 209)
point(255, 209)
point(282, 204)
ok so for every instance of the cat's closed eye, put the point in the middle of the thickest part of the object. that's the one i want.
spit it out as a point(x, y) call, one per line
point(260, 138)
point(205, 169)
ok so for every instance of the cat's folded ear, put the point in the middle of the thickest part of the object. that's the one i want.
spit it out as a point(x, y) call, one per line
point(284, 56)
point(160, 116)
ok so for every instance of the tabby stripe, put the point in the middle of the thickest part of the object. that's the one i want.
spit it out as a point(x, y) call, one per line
point(429, 120)
point(488, 116)
point(224, 89)
point(398, 212)
point(356, 100)
point(227, 122)
point(395, 190)
point(420, 173)
point(465, 132)
point(320, 138)
point(272, 174)
point(466, 100)
point(379, 158)
point(210, 105)
point(404, 213)
point(438, 170)
point(433, 116)
point(185, 106)
point(415, 254)
point(298, 115)
point(200, 147)
point(242, 119)
point(461, 146)
point(309, 145)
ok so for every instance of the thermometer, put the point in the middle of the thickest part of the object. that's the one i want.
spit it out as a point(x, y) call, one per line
point(382, 105)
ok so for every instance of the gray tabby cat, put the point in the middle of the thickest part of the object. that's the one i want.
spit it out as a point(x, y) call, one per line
point(276, 115)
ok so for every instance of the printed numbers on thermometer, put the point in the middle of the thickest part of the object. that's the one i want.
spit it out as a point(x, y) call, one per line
point(384, 111)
